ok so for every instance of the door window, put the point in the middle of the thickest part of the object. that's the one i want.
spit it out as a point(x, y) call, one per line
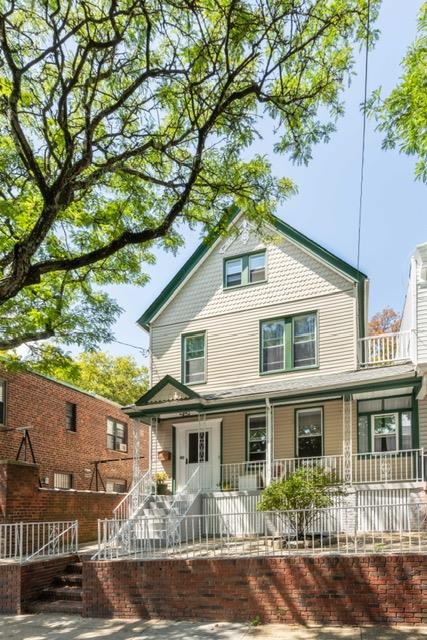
point(198, 447)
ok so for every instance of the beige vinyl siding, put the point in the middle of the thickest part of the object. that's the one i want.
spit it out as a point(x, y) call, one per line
point(232, 342)
point(422, 323)
point(296, 283)
point(284, 432)
point(422, 422)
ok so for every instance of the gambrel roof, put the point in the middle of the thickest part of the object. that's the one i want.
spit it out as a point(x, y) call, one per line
point(285, 230)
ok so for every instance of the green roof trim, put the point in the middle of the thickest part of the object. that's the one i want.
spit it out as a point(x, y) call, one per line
point(284, 228)
point(161, 385)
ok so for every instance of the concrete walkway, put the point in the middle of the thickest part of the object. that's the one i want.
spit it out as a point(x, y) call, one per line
point(49, 627)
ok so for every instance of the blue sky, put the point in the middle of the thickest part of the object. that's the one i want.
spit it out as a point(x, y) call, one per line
point(326, 207)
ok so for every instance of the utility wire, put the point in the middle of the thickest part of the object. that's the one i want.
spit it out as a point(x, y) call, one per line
point(362, 160)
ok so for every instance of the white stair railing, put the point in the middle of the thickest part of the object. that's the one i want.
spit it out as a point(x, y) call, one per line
point(26, 541)
point(182, 503)
point(135, 499)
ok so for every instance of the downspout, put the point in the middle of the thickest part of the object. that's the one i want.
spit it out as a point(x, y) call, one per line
point(269, 442)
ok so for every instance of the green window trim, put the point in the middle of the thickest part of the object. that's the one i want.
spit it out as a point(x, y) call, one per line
point(245, 271)
point(288, 344)
point(249, 417)
point(413, 410)
point(184, 337)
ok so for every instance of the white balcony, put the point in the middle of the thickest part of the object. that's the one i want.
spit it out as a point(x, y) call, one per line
point(385, 349)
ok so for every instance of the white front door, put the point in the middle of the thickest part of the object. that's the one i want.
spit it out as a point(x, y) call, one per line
point(198, 447)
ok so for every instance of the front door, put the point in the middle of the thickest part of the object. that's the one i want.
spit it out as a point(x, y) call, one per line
point(199, 448)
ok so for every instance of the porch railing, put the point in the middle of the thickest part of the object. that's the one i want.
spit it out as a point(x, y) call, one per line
point(25, 541)
point(367, 529)
point(243, 476)
point(387, 348)
point(394, 466)
point(282, 469)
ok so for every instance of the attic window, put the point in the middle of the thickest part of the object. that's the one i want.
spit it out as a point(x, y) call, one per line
point(244, 270)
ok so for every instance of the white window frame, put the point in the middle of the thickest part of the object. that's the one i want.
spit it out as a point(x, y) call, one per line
point(396, 435)
point(316, 343)
point(116, 446)
point(248, 440)
point(229, 261)
point(256, 255)
point(184, 339)
point(298, 437)
point(273, 321)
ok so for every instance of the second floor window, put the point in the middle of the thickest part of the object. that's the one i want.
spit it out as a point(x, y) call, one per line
point(116, 435)
point(243, 270)
point(63, 480)
point(194, 356)
point(288, 343)
point(70, 416)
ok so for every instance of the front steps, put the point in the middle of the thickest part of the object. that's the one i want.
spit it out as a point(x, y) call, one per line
point(64, 595)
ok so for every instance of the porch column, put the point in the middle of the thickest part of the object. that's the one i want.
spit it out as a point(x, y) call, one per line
point(347, 438)
point(269, 441)
point(136, 463)
point(153, 447)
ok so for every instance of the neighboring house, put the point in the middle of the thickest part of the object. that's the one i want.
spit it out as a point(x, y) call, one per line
point(260, 363)
point(69, 429)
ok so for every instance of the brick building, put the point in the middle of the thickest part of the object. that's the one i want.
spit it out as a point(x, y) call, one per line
point(69, 428)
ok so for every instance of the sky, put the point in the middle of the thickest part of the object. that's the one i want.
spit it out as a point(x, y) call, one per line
point(394, 216)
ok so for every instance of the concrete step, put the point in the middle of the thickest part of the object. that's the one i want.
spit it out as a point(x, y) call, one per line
point(70, 579)
point(55, 606)
point(64, 593)
point(75, 567)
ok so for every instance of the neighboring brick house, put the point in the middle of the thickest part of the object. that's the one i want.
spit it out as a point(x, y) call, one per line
point(69, 428)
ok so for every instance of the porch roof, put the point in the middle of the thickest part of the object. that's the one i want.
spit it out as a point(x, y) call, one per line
point(375, 378)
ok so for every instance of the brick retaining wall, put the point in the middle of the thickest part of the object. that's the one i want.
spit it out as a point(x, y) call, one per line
point(20, 584)
point(339, 590)
point(21, 499)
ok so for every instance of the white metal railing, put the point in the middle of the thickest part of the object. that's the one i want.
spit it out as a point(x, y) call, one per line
point(386, 348)
point(394, 466)
point(135, 499)
point(284, 468)
point(243, 476)
point(397, 528)
point(25, 541)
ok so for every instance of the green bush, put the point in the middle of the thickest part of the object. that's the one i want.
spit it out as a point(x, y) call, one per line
point(311, 489)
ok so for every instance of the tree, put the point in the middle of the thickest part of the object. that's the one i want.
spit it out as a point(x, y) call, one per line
point(118, 378)
point(385, 321)
point(402, 116)
point(306, 491)
point(121, 120)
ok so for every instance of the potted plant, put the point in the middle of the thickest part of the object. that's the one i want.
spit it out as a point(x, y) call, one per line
point(161, 478)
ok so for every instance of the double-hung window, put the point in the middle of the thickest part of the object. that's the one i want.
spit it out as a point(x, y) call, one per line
point(288, 343)
point(309, 426)
point(116, 435)
point(244, 270)
point(304, 340)
point(70, 416)
point(385, 424)
point(194, 358)
point(257, 438)
point(2, 402)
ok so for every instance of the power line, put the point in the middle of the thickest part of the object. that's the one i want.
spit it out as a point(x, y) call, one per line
point(362, 160)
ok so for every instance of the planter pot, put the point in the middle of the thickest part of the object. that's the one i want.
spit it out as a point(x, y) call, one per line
point(162, 489)
point(164, 456)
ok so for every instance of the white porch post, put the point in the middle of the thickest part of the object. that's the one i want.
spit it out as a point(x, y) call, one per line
point(347, 439)
point(269, 442)
point(136, 463)
point(153, 448)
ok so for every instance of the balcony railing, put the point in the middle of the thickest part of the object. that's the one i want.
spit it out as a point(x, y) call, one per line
point(395, 466)
point(384, 349)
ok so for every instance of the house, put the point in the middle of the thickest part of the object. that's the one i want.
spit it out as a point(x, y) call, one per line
point(260, 363)
point(68, 430)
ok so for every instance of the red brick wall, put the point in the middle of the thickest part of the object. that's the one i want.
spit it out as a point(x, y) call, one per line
point(21, 499)
point(39, 403)
point(21, 584)
point(340, 590)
